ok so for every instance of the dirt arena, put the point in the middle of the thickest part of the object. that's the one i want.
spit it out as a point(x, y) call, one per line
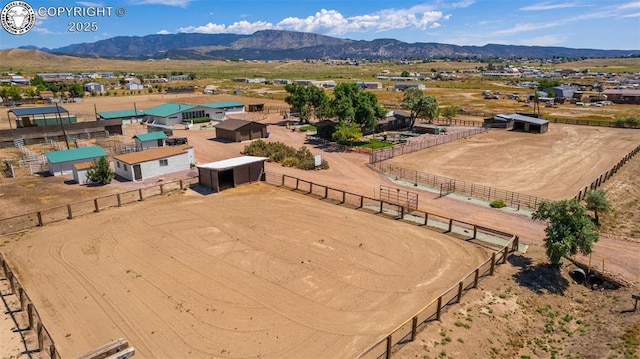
point(256, 271)
point(555, 165)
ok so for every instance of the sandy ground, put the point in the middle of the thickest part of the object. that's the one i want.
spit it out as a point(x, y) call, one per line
point(253, 272)
point(555, 165)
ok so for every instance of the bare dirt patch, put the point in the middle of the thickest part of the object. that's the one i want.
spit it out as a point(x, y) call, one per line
point(255, 271)
point(554, 165)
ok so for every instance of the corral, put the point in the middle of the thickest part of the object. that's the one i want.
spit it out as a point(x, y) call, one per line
point(254, 271)
point(554, 166)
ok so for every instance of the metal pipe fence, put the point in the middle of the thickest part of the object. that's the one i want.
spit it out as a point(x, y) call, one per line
point(407, 331)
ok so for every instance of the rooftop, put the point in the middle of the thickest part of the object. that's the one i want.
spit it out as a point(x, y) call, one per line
point(75, 154)
point(152, 154)
point(30, 111)
point(232, 162)
point(150, 136)
point(109, 115)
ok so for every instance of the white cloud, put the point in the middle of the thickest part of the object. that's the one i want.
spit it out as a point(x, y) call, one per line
point(238, 27)
point(462, 4)
point(632, 15)
point(178, 3)
point(547, 6)
point(631, 5)
point(524, 28)
point(89, 4)
point(324, 21)
point(434, 25)
point(163, 32)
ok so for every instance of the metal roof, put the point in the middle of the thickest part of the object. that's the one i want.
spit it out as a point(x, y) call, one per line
point(150, 136)
point(223, 104)
point(232, 124)
point(168, 109)
point(519, 117)
point(109, 115)
point(152, 154)
point(232, 162)
point(75, 154)
point(30, 111)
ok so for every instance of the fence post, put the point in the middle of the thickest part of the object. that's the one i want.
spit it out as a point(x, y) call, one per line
point(439, 309)
point(504, 257)
point(401, 212)
point(450, 224)
point(493, 263)
point(459, 292)
point(388, 353)
point(21, 297)
point(162, 188)
point(120, 199)
point(297, 183)
point(40, 223)
point(361, 200)
point(52, 351)
point(140, 194)
point(344, 198)
point(95, 204)
point(40, 336)
point(69, 214)
point(326, 192)
point(414, 328)
point(12, 285)
point(30, 315)
point(475, 232)
point(476, 275)
point(181, 185)
point(426, 217)
point(381, 205)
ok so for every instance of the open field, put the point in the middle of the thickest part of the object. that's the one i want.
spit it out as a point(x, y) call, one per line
point(555, 165)
point(252, 272)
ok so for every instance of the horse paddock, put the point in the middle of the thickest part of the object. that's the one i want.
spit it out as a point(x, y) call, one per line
point(254, 271)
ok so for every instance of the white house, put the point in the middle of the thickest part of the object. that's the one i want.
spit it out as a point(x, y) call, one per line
point(80, 171)
point(93, 86)
point(145, 141)
point(133, 86)
point(61, 162)
point(138, 166)
point(175, 113)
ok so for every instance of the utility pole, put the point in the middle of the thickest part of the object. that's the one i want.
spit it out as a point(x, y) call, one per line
point(64, 132)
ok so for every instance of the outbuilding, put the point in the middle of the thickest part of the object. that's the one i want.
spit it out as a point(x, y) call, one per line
point(524, 123)
point(145, 141)
point(231, 172)
point(169, 114)
point(80, 171)
point(138, 166)
point(62, 162)
point(237, 130)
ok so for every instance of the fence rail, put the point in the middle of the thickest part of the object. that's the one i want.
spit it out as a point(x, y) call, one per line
point(600, 180)
point(448, 185)
point(384, 154)
point(407, 331)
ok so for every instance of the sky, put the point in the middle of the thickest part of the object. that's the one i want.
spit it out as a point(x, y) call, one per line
point(593, 24)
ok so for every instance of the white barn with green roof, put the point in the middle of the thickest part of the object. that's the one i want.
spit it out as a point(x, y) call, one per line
point(145, 141)
point(62, 162)
point(127, 116)
point(169, 113)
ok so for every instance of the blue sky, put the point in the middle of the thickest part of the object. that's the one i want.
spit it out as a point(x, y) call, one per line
point(597, 24)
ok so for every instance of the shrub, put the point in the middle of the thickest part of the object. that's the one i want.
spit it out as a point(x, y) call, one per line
point(498, 203)
point(632, 122)
point(283, 154)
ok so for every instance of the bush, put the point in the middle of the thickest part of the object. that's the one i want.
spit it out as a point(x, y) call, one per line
point(498, 203)
point(283, 154)
point(197, 120)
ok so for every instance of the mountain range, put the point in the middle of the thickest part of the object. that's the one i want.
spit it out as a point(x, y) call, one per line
point(281, 44)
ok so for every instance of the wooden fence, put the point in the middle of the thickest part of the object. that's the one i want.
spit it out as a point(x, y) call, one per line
point(606, 175)
point(448, 185)
point(40, 218)
point(406, 332)
point(384, 154)
point(27, 308)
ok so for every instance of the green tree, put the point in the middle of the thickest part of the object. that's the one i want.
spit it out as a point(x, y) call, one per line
point(31, 91)
point(76, 90)
point(352, 104)
point(569, 228)
point(419, 105)
point(405, 73)
point(100, 172)
point(347, 131)
point(14, 92)
point(597, 202)
point(307, 100)
point(545, 83)
point(450, 111)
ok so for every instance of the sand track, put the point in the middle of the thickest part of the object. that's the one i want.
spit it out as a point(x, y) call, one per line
point(253, 271)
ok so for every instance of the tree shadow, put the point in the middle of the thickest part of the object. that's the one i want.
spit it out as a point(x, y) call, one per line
point(540, 278)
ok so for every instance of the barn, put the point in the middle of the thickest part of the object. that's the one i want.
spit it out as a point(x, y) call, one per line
point(169, 114)
point(138, 166)
point(237, 130)
point(145, 141)
point(41, 116)
point(231, 172)
point(62, 162)
point(524, 123)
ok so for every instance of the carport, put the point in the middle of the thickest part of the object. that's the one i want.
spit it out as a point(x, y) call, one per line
point(231, 172)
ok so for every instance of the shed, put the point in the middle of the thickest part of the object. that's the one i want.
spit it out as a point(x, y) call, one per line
point(326, 128)
point(80, 171)
point(240, 130)
point(41, 116)
point(61, 162)
point(93, 86)
point(149, 140)
point(255, 107)
point(231, 172)
point(520, 122)
point(138, 166)
point(395, 120)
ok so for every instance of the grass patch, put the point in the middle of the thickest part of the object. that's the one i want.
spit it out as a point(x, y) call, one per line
point(372, 144)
